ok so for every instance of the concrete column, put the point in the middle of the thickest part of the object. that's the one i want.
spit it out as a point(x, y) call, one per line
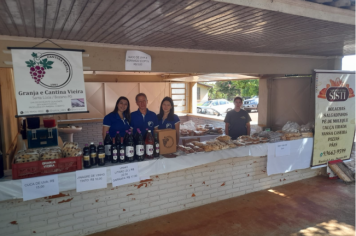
point(193, 98)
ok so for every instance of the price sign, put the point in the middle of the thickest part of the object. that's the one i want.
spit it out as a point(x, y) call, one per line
point(282, 149)
point(91, 179)
point(124, 174)
point(38, 187)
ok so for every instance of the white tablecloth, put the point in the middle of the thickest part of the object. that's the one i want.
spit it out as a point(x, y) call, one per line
point(11, 189)
point(301, 152)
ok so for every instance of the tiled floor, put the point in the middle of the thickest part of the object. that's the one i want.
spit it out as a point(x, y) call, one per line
point(315, 206)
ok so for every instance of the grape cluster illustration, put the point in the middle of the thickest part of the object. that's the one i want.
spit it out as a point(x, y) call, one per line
point(38, 67)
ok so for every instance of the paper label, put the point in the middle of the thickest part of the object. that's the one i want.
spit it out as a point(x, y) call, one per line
point(108, 150)
point(157, 147)
point(122, 155)
point(140, 150)
point(129, 151)
point(38, 187)
point(114, 155)
point(86, 158)
point(91, 179)
point(93, 154)
point(124, 174)
point(149, 149)
point(282, 149)
point(137, 60)
point(101, 155)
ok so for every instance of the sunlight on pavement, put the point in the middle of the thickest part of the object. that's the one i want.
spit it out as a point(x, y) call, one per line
point(278, 193)
point(333, 227)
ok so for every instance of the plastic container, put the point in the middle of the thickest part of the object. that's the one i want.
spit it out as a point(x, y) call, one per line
point(44, 137)
point(49, 121)
point(33, 122)
point(47, 167)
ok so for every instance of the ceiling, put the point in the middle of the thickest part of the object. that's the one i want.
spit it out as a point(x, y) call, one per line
point(188, 24)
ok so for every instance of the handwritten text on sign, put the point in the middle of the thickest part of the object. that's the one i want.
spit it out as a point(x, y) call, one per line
point(38, 187)
point(124, 174)
point(137, 60)
point(282, 149)
point(91, 179)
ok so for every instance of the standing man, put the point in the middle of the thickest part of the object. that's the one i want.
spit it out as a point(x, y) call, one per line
point(143, 118)
point(237, 121)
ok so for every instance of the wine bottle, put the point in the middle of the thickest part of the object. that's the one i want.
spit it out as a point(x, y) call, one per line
point(156, 146)
point(140, 146)
point(149, 145)
point(121, 148)
point(117, 138)
point(101, 154)
point(114, 152)
point(129, 150)
point(108, 145)
point(86, 157)
point(93, 154)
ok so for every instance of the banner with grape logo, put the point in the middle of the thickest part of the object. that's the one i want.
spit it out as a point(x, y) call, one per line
point(334, 116)
point(48, 81)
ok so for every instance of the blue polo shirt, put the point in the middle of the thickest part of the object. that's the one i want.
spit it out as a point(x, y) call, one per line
point(168, 124)
point(138, 120)
point(114, 121)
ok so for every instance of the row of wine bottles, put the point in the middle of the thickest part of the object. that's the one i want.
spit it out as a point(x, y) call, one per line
point(122, 149)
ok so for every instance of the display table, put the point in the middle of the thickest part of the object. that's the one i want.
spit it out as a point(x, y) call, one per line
point(11, 189)
point(202, 138)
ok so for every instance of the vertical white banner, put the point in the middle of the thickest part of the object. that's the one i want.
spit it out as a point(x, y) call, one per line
point(334, 116)
point(48, 81)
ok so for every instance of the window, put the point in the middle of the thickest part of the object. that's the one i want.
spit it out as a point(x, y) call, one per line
point(222, 102)
point(215, 103)
point(179, 96)
point(198, 93)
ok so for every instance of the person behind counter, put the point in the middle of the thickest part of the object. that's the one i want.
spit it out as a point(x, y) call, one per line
point(143, 118)
point(119, 119)
point(166, 117)
point(237, 121)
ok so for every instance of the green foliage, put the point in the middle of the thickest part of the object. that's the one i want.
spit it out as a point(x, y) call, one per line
point(230, 89)
point(46, 64)
point(30, 63)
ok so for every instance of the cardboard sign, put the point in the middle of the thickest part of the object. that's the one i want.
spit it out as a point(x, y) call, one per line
point(137, 61)
point(91, 179)
point(48, 81)
point(334, 116)
point(282, 149)
point(124, 174)
point(38, 187)
point(167, 141)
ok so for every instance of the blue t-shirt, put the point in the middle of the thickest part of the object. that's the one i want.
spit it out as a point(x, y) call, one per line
point(114, 121)
point(138, 120)
point(168, 124)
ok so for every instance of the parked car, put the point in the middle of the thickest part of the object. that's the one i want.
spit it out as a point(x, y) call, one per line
point(218, 106)
point(251, 104)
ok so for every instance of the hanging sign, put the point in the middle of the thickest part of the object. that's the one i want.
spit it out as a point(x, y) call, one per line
point(137, 61)
point(48, 81)
point(334, 116)
point(38, 187)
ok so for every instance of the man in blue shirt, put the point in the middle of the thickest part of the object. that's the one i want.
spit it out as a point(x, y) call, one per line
point(143, 118)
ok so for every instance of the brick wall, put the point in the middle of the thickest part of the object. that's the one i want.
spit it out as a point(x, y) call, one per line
point(72, 213)
point(91, 132)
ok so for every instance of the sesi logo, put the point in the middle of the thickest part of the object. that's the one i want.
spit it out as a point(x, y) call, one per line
point(337, 94)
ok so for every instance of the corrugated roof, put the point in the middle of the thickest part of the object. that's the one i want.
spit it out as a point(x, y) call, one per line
point(201, 24)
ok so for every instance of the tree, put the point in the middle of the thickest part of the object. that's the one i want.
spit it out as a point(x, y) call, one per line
point(232, 88)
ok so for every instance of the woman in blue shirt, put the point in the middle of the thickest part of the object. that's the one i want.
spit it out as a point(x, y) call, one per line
point(119, 119)
point(166, 117)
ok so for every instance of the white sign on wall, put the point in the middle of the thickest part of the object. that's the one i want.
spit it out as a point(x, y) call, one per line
point(124, 174)
point(48, 81)
point(38, 187)
point(91, 179)
point(137, 61)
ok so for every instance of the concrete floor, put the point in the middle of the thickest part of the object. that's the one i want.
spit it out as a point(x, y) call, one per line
point(315, 206)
